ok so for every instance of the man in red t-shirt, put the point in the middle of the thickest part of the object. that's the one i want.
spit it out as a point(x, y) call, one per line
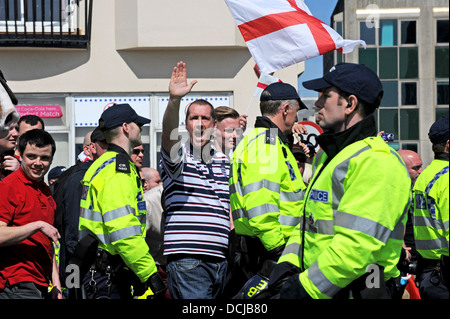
point(27, 211)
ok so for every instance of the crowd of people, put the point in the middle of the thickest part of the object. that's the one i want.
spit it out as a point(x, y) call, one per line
point(227, 211)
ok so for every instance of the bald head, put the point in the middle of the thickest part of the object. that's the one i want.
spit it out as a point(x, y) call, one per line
point(413, 163)
point(86, 142)
point(151, 177)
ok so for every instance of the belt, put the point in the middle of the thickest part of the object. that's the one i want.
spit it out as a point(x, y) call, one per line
point(204, 258)
point(103, 259)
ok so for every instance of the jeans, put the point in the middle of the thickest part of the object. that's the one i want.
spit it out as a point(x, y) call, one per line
point(194, 278)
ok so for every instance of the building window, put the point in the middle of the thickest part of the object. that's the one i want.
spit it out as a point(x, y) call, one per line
point(409, 93)
point(442, 93)
point(388, 33)
point(441, 68)
point(442, 62)
point(339, 29)
point(442, 31)
point(408, 32)
point(367, 33)
point(392, 52)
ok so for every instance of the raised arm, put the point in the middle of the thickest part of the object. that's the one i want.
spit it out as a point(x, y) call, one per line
point(178, 88)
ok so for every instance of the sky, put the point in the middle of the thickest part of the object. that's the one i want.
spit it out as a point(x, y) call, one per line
point(322, 10)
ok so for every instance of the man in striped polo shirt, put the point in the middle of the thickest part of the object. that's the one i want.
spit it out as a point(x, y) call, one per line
point(195, 179)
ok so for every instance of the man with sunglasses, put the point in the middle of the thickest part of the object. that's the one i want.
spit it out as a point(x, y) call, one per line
point(113, 211)
point(137, 156)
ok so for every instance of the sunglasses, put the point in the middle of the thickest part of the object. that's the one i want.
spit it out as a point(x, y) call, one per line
point(136, 151)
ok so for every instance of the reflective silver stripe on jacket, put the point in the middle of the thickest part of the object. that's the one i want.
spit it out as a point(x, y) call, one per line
point(262, 210)
point(117, 213)
point(115, 235)
point(293, 248)
point(424, 221)
point(109, 216)
point(104, 239)
point(289, 220)
point(358, 223)
point(125, 233)
point(91, 215)
point(431, 244)
point(322, 283)
point(369, 227)
point(271, 186)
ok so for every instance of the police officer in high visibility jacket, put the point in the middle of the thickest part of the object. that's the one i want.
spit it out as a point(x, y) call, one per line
point(266, 188)
point(113, 209)
point(350, 237)
point(431, 207)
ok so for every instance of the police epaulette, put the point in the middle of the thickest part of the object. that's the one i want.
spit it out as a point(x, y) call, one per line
point(270, 138)
point(122, 163)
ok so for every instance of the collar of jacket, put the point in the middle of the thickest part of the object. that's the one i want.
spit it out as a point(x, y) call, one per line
point(118, 149)
point(441, 156)
point(264, 121)
point(332, 143)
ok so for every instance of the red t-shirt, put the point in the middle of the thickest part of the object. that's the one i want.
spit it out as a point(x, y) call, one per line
point(23, 201)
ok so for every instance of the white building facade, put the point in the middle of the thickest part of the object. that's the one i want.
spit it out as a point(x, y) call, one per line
point(66, 60)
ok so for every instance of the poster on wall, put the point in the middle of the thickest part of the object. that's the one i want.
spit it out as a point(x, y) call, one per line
point(43, 111)
point(88, 109)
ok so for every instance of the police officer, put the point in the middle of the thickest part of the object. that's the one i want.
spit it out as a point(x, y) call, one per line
point(266, 187)
point(356, 204)
point(113, 209)
point(431, 206)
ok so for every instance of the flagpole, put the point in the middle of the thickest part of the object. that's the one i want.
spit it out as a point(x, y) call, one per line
point(248, 107)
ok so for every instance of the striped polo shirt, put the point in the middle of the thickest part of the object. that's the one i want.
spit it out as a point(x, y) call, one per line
point(197, 199)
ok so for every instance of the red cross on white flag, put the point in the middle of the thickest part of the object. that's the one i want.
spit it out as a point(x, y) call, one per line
point(264, 81)
point(280, 33)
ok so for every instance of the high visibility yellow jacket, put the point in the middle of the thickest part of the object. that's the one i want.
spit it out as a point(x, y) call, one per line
point(113, 208)
point(266, 188)
point(431, 207)
point(355, 211)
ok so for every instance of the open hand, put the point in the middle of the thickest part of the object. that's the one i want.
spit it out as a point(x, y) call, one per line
point(178, 86)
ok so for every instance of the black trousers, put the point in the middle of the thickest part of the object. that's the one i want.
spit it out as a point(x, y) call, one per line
point(429, 279)
point(431, 286)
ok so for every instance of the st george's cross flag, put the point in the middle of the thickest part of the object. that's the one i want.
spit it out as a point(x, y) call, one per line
point(280, 33)
point(264, 81)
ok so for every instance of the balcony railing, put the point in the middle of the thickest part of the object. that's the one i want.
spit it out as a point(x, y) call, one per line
point(45, 23)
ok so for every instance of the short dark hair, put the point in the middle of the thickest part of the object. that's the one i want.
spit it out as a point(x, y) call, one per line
point(439, 148)
point(39, 138)
point(31, 119)
point(201, 102)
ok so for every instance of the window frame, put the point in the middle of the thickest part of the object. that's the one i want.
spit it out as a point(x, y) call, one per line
point(400, 108)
